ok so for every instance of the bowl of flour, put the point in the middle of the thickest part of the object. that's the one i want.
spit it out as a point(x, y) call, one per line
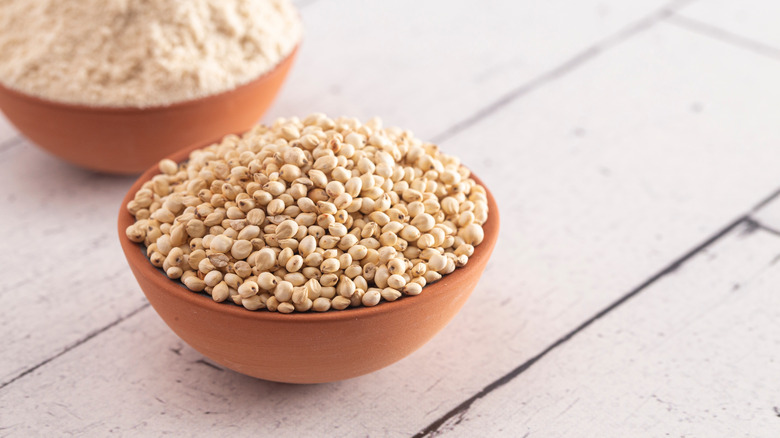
point(115, 85)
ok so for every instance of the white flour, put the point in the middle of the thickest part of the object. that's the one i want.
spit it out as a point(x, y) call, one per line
point(140, 53)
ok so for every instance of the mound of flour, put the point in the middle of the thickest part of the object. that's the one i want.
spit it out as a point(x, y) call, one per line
point(140, 53)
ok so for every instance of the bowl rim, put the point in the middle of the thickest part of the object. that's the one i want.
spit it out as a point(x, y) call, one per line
point(81, 107)
point(136, 257)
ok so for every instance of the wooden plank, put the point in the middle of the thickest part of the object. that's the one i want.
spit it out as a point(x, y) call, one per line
point(749, 20)
point(614, 172)
point(427, 65)
point(363, 82)
point(695, 354)
point(68, 277)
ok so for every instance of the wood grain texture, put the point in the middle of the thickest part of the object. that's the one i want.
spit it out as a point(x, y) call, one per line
point(695, 354)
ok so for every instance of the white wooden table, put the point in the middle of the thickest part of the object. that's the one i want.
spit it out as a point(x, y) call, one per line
point(633, 148)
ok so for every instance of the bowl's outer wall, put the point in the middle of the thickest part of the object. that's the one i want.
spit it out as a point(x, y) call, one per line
point(129, 140)
point(308, 350)
point(307, 347)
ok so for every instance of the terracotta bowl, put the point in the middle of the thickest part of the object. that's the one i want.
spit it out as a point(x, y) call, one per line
point(306, 347)
point(129, 140)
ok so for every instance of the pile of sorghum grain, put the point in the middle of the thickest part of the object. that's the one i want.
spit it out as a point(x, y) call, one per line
point(311, 215)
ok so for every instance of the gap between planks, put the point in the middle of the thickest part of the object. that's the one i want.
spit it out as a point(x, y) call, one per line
point(752, 223)
point(746, 219)
point(666, 14)
point(717, 33)
point(463, 407)
point(70, 347)
point(581, 58)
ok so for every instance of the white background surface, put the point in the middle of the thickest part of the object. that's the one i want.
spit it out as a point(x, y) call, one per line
point(633, 148)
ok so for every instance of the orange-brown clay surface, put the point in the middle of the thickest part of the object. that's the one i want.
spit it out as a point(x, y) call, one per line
point(305, 347)
point(129, 140)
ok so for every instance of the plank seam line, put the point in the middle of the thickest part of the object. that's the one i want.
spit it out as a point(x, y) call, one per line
point(676, 264)
point(746, 219)
point(723, 35)
point(561, 70)
point(772, 196)
point(74, 345)
point(755, 223)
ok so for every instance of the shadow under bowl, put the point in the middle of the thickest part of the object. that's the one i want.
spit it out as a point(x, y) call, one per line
point(306, 347)
point(127, 140)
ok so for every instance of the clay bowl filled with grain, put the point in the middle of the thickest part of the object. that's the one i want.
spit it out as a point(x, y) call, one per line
point(127, 140)
point(304, 347)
